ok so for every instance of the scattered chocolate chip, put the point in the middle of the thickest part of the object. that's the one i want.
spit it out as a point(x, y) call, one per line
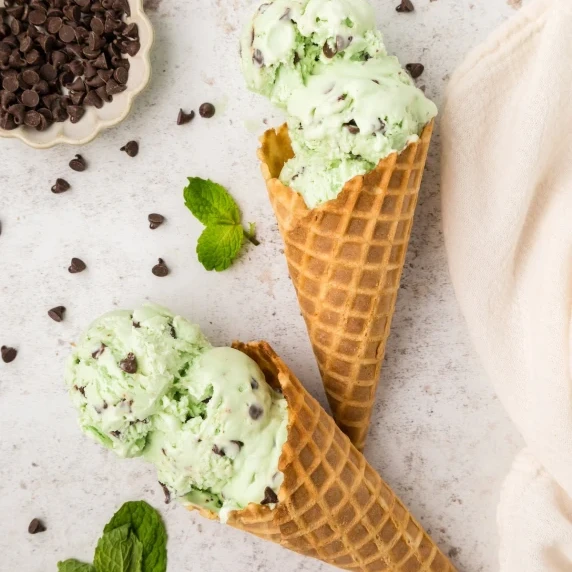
point(160, 270)
point(207, 110)
point(131, 148)
point(255, 412)
point(97, 353)
point(352, 127)
point(129, 364)
point(167, 493)
point(36, 526)
point(254, 383)
point(57, 313)
point(76, 266)
point(239, 444)
point(78, 164)
point(329, 51)
point(155, 220)
point(30, 98)
point(219, 452)
point(61, 186)
point(136, 325)
point(405, 6)
point(115, 434)
point(8, 354)
point(184, 118)
point(80, 389)
point(270, 496)
point(415, 70)
point(173, 332)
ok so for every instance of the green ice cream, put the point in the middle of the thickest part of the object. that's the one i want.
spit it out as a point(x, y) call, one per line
point(349, 104)
point(147, 383)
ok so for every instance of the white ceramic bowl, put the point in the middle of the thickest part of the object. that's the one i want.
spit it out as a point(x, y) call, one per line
point(96, 120)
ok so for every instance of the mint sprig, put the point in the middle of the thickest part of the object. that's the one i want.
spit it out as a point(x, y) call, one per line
point(224, 234)
point(134, 540)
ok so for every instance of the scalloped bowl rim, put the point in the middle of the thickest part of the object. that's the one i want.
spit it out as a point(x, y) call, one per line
point(137, 14)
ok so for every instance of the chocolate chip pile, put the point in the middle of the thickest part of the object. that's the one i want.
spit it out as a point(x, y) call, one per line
point(59, 56)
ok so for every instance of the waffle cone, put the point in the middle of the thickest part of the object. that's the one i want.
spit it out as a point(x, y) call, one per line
point(345, 259)
point(332, 505)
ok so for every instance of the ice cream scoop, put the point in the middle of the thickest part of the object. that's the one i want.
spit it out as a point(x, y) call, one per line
point(148, 383)
point(349, 104)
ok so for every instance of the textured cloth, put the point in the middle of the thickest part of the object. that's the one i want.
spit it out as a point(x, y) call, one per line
point(507, 207)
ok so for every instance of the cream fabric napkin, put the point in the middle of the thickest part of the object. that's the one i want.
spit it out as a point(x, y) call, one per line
point(507, 207)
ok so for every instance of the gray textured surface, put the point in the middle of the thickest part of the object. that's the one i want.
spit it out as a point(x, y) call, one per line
point(439, 436)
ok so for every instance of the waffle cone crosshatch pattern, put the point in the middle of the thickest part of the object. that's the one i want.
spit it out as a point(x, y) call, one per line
point(346, 259)
point(333, 506)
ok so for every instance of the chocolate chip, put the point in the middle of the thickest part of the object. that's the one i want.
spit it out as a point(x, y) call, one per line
point(270, 497)
point(129, 364)
point(31, 77)
point(160, 270)
point(207, 110)
point(167, 493)
point(77, 68)
point(93, 99)
point(36, 526)
point(352, 127)
point(54, 24)
point(255, 412)
point(57, 313)
point(131, 31)
point(239, 444)
point(77, 266)
point(136, 325)
point(329, 51)
point(97, 353)
point(121, 75)
point(18, 112)
point(7, 122)
point(254, 383)
point(130, 48)
point(219, 452)
point(155, 220)
point(75, 113)
point(184, 118)
point(405, 6)
point(37, 17)
point(11, 84)
point(102, 92)
point(30, 98)
point(115, 434)
point(49, 72)
point(61, 186)
point(258, 57)
point(415, 70)
point(173, 332)
point(8, 354)
point(131, 148)
point(113, 88)
point(66, 34)
point(78, 164)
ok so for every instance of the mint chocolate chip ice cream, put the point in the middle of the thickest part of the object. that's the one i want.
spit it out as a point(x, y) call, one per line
point(148, 384)
point(349, 104)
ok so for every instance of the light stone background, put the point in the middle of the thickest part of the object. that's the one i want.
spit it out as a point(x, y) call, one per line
point(439, 436)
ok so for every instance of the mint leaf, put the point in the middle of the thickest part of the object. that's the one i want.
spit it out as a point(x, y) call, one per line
point(74, 566)
point(219, 245)
point(118, 551)
point(224, 235)
point(210, 202)
point(147, 526)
